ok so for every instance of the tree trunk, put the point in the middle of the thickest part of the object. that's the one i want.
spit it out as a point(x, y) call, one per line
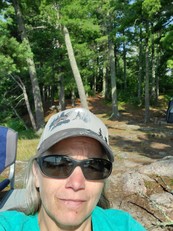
point(29, 108)
point(19, 117)
point(153, 71)
point(158, 55)
point(31, 66)
point(124, 64)
point(147, 97)
point(94, 82)
point(75, 69)
point(73, 97)
point(104, 82)
point(115, 112)
point(23, 88)
point(140, 67)
point(61, 94)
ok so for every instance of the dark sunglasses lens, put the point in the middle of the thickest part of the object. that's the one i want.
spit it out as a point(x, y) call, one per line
point(60, 167)
point(56, 166)
point(96, 169)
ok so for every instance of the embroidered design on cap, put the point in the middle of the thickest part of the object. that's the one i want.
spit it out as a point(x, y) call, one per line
point(66, 117)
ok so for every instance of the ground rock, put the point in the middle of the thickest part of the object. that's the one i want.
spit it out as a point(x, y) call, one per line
point(163, 167)
point(134, 182)
point(163, 199)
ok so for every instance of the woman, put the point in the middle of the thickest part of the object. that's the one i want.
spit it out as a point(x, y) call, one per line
point(66, 179)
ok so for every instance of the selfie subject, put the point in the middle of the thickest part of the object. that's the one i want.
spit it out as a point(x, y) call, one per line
point(66, 180)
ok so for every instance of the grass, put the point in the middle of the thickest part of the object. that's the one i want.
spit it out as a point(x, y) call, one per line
point(27, 144)
point(26, 148)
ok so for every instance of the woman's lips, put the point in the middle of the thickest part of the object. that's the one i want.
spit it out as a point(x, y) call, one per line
point(71, 203)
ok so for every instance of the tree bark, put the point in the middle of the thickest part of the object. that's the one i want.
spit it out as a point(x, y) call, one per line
point(124, 63)
point(115, 112)
point(104, 82)
point(31, 66)
point(153, 70)
point(61, 93)
point(75, 69)
point(147, 96)
point(140, 68)
point(158, 55)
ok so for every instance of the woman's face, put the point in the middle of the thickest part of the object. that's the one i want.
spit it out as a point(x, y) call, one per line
point(68, 203)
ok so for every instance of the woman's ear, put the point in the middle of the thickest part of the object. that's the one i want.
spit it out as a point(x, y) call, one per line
point(36, 175)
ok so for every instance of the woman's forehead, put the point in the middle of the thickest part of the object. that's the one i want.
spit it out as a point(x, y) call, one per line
point(79, 139)
point(81, 143)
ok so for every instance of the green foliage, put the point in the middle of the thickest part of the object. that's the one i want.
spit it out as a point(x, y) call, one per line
point(151, 7)
point(12, 53)
point(89, 24)
point(27, 134)
point(170, 63)
point(167, 40)
point(167, 43)
point(15, 124)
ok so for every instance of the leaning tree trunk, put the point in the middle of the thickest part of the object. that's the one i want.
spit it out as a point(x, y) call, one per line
point(31, 66)
point(75, 69)
point(23, 88)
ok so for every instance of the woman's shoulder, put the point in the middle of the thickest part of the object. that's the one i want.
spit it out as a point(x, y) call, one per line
point(114, 218)
point(15, 220)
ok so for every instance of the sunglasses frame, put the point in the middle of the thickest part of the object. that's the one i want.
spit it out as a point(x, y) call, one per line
point(76, 163)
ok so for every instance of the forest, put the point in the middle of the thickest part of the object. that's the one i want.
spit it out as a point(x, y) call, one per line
point(53, 51)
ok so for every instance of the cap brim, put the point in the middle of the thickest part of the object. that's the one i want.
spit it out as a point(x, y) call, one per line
point(74, 132)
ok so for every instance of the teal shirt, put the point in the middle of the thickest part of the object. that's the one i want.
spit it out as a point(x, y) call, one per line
point(102, 219)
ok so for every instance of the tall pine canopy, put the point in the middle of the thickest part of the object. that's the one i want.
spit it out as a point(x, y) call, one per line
point(122, 50)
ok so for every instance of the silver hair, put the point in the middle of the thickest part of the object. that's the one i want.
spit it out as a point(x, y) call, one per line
point(33, 201)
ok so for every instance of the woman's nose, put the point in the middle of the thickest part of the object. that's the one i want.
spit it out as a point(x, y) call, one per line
point(76, 180)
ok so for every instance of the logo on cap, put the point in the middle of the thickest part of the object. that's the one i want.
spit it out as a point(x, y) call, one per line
point(68, 116)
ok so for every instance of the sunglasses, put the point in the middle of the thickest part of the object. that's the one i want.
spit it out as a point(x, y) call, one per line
point(61, 167)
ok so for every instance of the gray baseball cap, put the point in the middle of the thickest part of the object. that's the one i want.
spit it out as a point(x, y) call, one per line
point(72, 123)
